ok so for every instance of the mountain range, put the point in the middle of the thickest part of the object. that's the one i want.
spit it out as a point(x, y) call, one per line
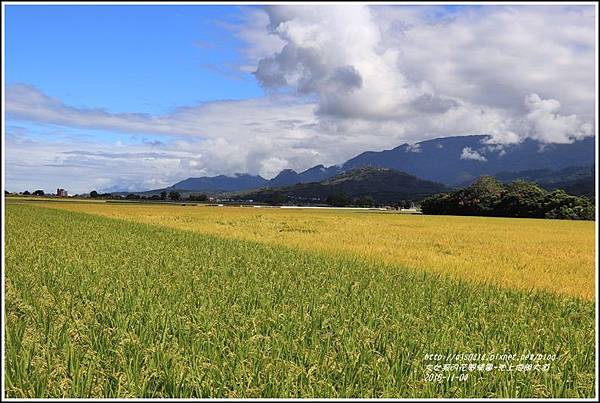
point(378, 185)
point(452, 161)
point(221, 183)
point(578, 181)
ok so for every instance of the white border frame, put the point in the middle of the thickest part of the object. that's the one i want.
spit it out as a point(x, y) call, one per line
point(417, 3)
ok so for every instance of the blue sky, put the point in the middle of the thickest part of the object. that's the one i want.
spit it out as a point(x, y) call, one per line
point(134, 97)
point(148, 59)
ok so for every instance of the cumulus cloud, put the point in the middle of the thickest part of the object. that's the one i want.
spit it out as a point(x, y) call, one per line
point(332, 52)
point(548, 126)
point(494, 56)
point(424, 72)
point(469, 154)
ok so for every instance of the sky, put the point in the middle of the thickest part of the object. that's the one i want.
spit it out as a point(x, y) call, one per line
point(138, 97)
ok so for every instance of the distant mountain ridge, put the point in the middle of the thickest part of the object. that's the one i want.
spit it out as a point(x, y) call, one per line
point(454, 160)
point(382, 185)
point(220, 183)
point(449, 160)
point(578, 181)
point(289, 177)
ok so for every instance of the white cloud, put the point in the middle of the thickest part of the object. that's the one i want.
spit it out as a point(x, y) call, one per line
point(414, 148)
point(254, 30)
point(548, 126)
point(494, 56)
point(469, 154)
point(428, 74)
point(333, 52)
point(28, 103)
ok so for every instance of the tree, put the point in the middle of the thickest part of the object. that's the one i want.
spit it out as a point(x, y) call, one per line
point(338, 200)
point(163, 195)
point(481, 197)
point(443, 203)
point(366, 201)
point(173, 195)
point(559, 204)
point(521, 199)
point(406, 204)
point(277, 199)
point(38, 193)
point(198, 197)
point(6, 192)
point(93, 194)
point(487, 197)
point(26, 193)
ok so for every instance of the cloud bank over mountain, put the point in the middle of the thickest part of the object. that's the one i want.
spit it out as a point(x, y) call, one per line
point(339, 80)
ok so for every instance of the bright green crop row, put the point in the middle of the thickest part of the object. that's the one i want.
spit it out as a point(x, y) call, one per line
point(97, 307)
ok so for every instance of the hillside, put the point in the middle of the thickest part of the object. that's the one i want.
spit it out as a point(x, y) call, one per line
point(382, 185)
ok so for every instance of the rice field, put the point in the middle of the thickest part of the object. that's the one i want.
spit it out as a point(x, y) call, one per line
point(171, 301)
point(557, 256)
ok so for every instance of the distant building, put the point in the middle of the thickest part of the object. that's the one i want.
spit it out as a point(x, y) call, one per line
point(61, 192)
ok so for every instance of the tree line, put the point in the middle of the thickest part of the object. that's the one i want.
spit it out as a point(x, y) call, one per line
point(336, 199)
point(38, 192)
point(489, 197)
point(172, 195)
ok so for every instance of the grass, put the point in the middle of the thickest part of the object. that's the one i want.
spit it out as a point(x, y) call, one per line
point(550, 255)
point(98, 307)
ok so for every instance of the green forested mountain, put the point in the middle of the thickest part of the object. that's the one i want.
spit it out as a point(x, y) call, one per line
point(364, 186)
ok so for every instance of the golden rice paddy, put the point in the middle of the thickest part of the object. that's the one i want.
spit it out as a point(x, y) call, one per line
point(557, 256)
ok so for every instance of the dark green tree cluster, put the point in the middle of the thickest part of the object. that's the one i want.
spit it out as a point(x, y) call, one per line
point(197, 197)
point(338, 200)
point(343, 200)
point(95, 195)
point(488, 197)
point(365, 201)
point(277, 199)
point(172, 195)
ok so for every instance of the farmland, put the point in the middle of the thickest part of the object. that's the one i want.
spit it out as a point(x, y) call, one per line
point(157, 301)
point(550, 255)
